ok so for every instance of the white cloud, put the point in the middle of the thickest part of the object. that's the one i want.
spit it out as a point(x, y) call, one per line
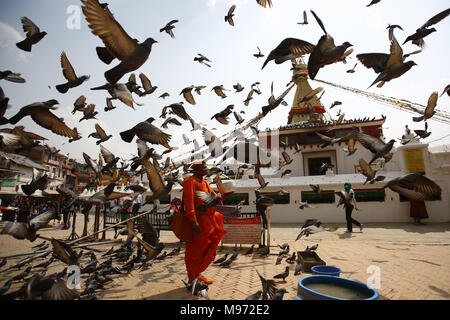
point(8, 39)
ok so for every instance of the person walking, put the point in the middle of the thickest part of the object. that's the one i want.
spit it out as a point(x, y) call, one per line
point(208, 226)
point(137, 205)
point(349, 205)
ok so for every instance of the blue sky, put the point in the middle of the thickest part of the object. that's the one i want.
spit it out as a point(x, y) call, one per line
point(202, 29)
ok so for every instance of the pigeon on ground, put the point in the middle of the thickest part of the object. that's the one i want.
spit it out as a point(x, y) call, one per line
point(221, 259)
point(254, 296)
point(282, 275)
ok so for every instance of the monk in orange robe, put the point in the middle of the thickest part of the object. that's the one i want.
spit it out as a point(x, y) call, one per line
point(207, 226)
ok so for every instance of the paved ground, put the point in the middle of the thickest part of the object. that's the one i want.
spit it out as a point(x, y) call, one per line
point(413, 263)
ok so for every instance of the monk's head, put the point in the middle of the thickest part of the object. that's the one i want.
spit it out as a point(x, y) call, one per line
point(199, 168)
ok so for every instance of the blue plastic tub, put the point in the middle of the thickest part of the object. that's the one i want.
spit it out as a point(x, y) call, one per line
point(326, 270)
point(345, 289)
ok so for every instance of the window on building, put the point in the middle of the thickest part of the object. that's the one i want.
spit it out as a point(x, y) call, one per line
point(236, 198)
point(326, 196)
point(367, 195)
point(279, 198)
point(314, 165)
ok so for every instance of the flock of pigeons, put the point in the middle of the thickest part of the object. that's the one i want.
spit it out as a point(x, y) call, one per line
point(131, 55)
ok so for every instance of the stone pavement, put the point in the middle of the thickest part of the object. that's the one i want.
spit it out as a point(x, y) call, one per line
point(413, 263)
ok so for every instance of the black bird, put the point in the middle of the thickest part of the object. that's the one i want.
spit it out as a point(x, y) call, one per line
point(259, 54)
point(209, 200)
point(201, 59)
point(69, 73)
point(315, 188)
point(325, 52)
point(375, 145)
point(429, 110)
point(226, 263)
point(269, 287)
point(119, 44)
point(222, 116)
point(282, 275)
point(279, 258)
point(222, 259)
point(230, 14)
point(147, 132)
point(8, 75)
point(23, 274)
point(168, 28)
point(64, 252)
point(3, 262)
point(6, 287)
point(254, 296)
point(45, 264)
point(291, 259)
point(41, 114)
point(373, 2)
point(423, 31)
point(34, 35)
point(415, 186)
point(250, 251)
point(298, 269)
point(369, 173)
point(279, 294)
point(288, 49)
point(423, 133)
point(27, 230)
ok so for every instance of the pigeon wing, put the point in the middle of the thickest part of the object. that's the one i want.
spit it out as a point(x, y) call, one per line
point(29, 27)
point(155, 180)
point(68, 71)
point(106, 154)
point(103, 24)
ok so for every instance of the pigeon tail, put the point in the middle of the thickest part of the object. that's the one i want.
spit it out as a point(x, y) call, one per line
point(104, 55)
point(418, 119)
point(113, 75)
point(28, 189)
point(62, 88)
point(127, 135)
point(24, 45)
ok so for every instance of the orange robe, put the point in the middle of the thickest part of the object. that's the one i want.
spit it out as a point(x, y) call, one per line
point(201, 251)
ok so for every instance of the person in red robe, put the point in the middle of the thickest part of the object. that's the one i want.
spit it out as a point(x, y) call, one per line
point(208, 226)
point(418, 210)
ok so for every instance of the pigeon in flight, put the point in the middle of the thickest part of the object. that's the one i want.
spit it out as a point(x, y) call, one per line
point(34, 35)
point(69, 73)
point(264, 3)
point(288, 49)
point(118, 43)
point(169, 27)
point(259, 54)
point(305, 19)
point(369, 173)
point(415, 186)
point(146, 131)
point(201, 59)
point(325, 52)
point(8, 75)
point(429, 110)
point(424, 30)
point(230, 15)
